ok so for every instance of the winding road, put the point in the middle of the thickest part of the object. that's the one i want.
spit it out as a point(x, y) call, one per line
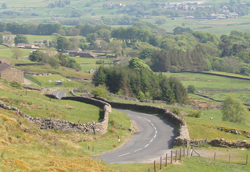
point(60, 95)
point(152, 139)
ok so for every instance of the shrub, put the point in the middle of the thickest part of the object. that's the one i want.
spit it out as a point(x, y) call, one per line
point(99, 62)
point(195, 113)
point(176, 111)
point(100, 91)
point(15, 84)
point(191, 89)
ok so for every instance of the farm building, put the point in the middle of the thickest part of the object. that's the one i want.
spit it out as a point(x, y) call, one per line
point(28, 46)
point(11, 73)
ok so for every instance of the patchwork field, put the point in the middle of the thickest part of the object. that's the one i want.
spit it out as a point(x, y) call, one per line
point(94, 11)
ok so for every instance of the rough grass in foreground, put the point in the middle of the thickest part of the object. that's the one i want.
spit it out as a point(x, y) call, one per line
point(37, 150)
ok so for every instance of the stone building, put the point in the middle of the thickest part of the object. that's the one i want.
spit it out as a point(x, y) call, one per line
point(11, 73)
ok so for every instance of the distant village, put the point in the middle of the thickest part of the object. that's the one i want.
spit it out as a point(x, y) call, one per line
point(224, 11)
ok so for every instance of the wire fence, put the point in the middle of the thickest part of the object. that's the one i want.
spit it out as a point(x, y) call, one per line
point(177, 155)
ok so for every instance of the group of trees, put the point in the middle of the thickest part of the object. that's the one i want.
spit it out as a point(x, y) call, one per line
point(56, 60)
point(184, 50)
point(59, 4)
point(139, 81)
point(50, 28)
point(199, 51)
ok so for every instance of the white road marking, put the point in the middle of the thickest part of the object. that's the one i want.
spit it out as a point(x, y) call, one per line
point(138, 150)
point(149, 141)
point(123, 154)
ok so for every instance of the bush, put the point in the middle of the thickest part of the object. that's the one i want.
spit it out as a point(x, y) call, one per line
point(15, 84)
point(191, 89)
point(176, 111)
point(99, 62)
point(195, 113)
point(100, 91)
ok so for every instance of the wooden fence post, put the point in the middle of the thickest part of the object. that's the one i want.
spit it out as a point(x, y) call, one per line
point(175, 155)
point(247, 160)
point(171, 160)
point(149, 170)
point(214, 155)
point(180, 154)
point(229, 158)
point(154, 167)
point(166, 160)
point(160, 163)
point(184, 151)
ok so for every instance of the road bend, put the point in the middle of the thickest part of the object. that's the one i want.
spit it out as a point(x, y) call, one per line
point(60, 95)
point(154, 136)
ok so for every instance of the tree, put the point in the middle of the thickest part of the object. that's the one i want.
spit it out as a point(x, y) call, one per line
point(4, 6)
point(191, 89)
point(54, 62)
point(62, 43)
point(234, 111)
point(16, 52)
point(37, 56)
point(138, 64)
point(21, 39)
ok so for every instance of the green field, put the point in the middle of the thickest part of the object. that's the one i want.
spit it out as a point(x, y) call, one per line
point(32, 38)
point(219, 95)
point(61, 71)
point(92, 60)
point(7, 53)
point(203, 81)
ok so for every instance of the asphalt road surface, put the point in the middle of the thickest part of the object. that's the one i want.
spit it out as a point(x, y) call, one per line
point(153, 138)
point(59, 94)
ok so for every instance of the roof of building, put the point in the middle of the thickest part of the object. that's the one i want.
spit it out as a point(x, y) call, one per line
point(4, 66)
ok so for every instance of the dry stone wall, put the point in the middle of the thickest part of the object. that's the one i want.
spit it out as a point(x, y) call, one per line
point(63, 125)
point(171, 117)
point(215, 142)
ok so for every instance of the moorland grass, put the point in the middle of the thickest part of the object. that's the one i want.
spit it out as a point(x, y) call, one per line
point(24, 147)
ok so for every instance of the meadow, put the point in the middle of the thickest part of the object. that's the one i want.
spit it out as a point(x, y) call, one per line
point(203, 81)
point(60, 71)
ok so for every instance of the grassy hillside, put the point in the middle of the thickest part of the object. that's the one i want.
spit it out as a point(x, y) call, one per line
point(36, 105)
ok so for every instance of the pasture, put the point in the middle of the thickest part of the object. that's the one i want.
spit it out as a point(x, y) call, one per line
point(203, 81)
point(61, 71)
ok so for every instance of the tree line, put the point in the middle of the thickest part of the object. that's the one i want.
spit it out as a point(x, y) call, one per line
point(54, 60)
point(137, 80)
